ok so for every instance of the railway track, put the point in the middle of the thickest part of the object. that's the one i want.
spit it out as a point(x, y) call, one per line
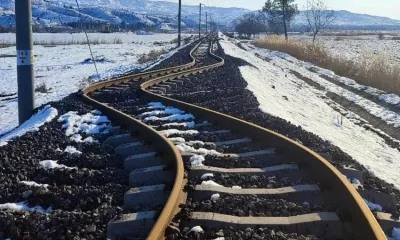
point(194, 170)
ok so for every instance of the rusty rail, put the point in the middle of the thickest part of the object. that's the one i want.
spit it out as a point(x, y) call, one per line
point(356, 212)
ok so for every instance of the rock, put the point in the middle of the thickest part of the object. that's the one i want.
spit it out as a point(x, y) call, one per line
point(241, 213)
point(26, 194)
point(172, 230)
point(220, 233)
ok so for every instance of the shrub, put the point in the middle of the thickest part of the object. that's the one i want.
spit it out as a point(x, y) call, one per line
point(42, 88)
point(369, 69)
point(153, 55)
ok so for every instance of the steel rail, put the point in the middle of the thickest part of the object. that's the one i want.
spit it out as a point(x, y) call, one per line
point(362, 222)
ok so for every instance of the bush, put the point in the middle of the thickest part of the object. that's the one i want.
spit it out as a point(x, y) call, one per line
point(369, 69)
point(153, 55)
point(42, 88)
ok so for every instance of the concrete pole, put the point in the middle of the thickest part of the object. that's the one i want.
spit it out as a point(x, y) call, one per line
point(206, 22)
point(179, 23)
point(23, 20)
point(200, 22)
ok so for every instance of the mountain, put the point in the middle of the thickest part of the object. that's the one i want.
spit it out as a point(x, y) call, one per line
point(148, 13)
point(348, 20)
point(143, 12)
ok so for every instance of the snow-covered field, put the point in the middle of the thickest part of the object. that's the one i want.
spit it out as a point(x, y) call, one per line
point(63, 69)
point(101, 37)
point(281, 93)
point(354, 47)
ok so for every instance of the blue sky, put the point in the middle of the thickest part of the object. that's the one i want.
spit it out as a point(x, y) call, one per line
point(386, 8)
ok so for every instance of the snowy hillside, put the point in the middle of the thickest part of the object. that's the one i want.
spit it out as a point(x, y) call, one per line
point(346, 18)
point(287, 88)
point(154, 13)
point(115, 12)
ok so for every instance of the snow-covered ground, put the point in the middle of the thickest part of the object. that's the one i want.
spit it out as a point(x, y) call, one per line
point(281, 93)
point(60, 38)
point(63, 69)
point(354, 47)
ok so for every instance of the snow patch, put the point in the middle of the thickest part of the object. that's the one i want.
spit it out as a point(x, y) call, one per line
point(76, 138)
point(39, 119)
point(183, 124)
point(177, 140)
point(168, 110)
point(197, 161)
point(201, 143)
point(207, 176)
point(355, 181)
point(155, 105)
point(72, 150)
point(210, 183)
point(34, 184)
point(170, 132)
point(373, 206)
point(215, 197)
point(174, 117)
point(390, 98)
point(52, 164)
point(236, 187)
point(185, 149)
point(197, 229)
point(96, 112)
point(396, 233)
point(87, 123)
point(23, 206)
point(90, 140)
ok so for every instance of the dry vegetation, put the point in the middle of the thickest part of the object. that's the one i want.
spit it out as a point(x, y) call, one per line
point(371, 70)
point(153, 55)
point(42, 88)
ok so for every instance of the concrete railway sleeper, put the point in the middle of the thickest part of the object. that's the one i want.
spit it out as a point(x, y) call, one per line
point(183, 162)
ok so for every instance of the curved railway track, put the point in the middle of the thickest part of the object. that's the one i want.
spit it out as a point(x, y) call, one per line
point(165, 135)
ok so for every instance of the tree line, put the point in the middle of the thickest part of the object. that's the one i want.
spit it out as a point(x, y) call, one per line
point(276, 17)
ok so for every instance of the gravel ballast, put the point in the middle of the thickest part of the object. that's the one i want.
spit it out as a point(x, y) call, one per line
point(224, 90)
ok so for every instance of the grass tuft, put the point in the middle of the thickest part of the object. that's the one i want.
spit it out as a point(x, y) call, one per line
point(153, 55)
point(42, 88)
point(370, 69)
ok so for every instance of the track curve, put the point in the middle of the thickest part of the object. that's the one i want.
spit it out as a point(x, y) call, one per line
point(354, 211)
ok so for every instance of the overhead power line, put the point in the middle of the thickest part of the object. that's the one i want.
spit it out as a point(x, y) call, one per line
point(88, 43)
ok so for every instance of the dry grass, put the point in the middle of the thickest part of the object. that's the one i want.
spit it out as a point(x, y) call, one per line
point(42, 88)
point(369, 69)
point(153, 55)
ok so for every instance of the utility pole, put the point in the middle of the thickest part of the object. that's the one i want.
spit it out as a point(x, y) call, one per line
point(179, 23)
point(23, 21)
point(200, 22)
point(206, 22)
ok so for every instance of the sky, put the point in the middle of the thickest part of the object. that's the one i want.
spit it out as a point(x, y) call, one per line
point(385, 8)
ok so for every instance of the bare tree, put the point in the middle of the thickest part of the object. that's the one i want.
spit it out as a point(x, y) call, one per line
point(318, 16)
point(280, 12)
